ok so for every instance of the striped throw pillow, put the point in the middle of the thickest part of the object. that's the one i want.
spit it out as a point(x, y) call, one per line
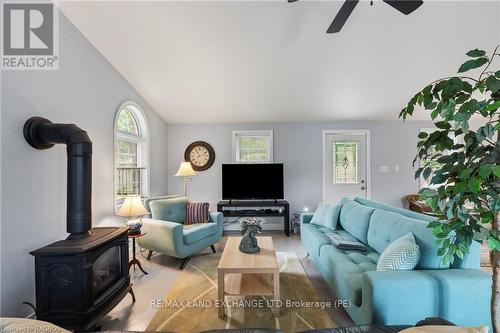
point(196, 212)
point(402, 254)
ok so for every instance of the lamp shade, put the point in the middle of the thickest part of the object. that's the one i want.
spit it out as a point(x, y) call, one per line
point(132, 206)
point(186, 170)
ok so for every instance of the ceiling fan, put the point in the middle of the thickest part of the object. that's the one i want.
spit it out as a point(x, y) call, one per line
point(404, 6)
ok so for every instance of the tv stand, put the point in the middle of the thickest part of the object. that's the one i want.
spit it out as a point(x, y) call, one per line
point(240, 208)
point(259, 201)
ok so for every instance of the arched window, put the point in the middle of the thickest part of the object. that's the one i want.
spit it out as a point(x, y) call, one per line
point(131, 152)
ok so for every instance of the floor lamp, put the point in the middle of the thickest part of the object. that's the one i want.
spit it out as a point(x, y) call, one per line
point(186, 171)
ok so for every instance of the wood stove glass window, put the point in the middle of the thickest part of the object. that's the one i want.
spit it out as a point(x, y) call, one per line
point(131, 152)
point(106, 270)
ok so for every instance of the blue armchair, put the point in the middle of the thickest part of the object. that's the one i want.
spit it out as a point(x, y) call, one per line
point(166, 233)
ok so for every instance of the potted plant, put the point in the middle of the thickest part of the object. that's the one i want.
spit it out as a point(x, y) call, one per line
point(461, 163)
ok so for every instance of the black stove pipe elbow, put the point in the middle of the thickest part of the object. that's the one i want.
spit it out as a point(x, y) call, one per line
point(41, 133)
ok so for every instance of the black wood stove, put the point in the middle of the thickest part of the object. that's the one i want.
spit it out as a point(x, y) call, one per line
point(79, 279)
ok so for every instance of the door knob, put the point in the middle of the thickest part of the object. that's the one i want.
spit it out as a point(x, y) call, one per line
point(363, 187)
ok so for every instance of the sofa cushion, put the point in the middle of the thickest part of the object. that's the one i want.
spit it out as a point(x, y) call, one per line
point(386, 227)
point(380, 229)
point(197, 231)
point(313, 238)
point(402, 254)
point(355, 219)
point(326, 215)
point(172, 209)
point(349, 261)
point(347, 267)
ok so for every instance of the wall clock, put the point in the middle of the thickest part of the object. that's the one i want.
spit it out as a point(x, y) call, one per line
point(200, 154)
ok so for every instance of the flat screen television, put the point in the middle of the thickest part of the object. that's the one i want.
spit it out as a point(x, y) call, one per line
point(252, 181)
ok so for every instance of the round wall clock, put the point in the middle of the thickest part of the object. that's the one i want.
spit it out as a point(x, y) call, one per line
point(200, 154)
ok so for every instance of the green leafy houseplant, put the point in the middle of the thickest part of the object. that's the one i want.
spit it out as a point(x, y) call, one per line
point(462, 164)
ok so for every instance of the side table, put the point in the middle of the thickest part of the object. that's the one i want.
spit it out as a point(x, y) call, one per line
point(134, 260)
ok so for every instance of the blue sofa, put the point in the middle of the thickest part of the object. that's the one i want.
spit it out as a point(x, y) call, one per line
point(459, 293)
point(166, 233)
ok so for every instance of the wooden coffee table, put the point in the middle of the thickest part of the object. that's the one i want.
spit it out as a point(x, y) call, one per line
point(248, 274)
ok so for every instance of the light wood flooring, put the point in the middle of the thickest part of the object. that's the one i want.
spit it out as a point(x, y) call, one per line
point(163, 271)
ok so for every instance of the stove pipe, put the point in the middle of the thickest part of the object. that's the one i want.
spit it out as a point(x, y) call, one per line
point(41, 133)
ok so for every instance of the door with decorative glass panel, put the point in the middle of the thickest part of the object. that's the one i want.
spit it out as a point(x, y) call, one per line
point(344, 165)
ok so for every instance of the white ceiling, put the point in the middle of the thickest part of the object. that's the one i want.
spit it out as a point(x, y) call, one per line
point(253, 61)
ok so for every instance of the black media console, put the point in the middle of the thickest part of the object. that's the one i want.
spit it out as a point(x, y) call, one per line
point(271, 208)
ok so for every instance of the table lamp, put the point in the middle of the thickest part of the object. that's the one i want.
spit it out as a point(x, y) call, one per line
point(186, 171)
point(133, 208)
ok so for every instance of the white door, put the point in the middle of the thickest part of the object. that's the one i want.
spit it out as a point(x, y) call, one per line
point(344, 165)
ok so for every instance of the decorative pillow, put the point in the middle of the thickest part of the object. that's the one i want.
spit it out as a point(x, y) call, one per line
point(326, 215)
point(402, 254)
point(196, 212)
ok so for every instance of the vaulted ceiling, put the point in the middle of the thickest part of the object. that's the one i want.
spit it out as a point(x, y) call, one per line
point(252, 61)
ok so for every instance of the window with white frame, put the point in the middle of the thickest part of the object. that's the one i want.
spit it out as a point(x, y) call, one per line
point(253, 146)
point(131, 152)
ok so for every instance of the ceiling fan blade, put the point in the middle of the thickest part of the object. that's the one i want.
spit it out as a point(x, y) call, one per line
point(292, 0)
point(342, 16)
point(405, 7)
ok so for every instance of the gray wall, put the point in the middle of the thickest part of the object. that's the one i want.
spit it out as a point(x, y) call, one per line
point(298, 146)
point(86, 90)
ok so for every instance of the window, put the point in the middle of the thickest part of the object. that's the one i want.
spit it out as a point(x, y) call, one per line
point(253, 146)
point(345, 162)
point(131, 152)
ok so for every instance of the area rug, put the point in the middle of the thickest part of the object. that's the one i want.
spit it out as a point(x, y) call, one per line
point(191, 305)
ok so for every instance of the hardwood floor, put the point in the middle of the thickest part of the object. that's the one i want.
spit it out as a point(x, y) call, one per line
point(163, 271)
